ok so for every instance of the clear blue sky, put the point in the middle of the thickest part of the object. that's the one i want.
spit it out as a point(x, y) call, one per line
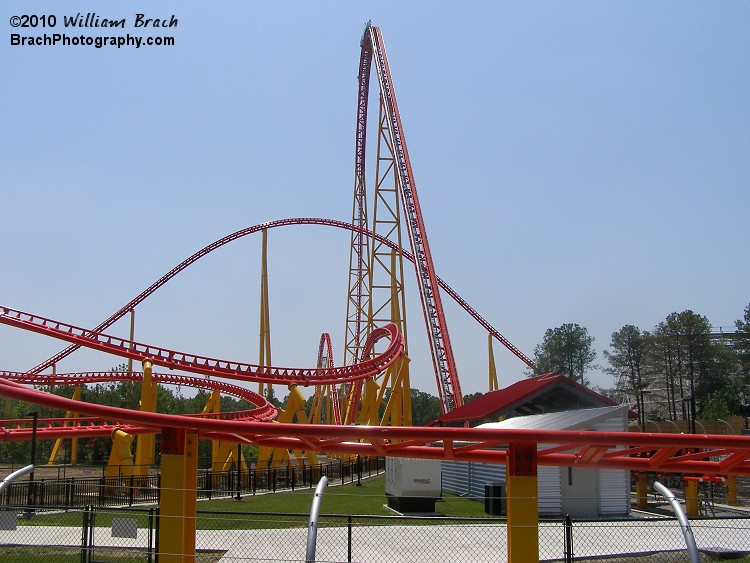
point(577, 162)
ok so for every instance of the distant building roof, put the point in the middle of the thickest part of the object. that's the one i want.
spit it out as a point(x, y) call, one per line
point(535, 395)
point(567, 420)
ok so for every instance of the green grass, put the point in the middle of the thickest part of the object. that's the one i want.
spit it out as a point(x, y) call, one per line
point(366, 499)
point(34, 554)
point(75, 519)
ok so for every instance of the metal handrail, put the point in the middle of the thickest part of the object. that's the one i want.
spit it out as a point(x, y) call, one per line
point(15, 475)
point(312, 528)
point(682, 519)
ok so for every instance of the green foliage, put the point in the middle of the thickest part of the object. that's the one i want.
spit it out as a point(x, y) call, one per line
point(424, 407)
point(627, 359)
point(742, 348)
point(471, 396)
point(566, 350)
point(679, 366)
point(720, 406)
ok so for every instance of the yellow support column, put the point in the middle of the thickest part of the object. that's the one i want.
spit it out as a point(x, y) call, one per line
point(177, 504)
point(73, 441)
point(731, 484)
point(264, 346)
point(522, 504)
point(641, 490)
point(492, 369)
point(120, 462)
point(146, 443)
point(691, 496)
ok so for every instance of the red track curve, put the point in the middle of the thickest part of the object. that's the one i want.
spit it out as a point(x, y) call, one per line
point(257, 228)
point(325, 359)
point(54, 428)
point(263, 411)
point(609, 450)
point(212, 366)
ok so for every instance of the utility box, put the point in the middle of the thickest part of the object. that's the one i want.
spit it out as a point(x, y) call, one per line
point(412, 485)
point(494, 499)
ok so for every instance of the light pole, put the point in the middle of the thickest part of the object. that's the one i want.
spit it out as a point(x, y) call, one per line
point(239, 472)
point(691, 411)
point(34, 414)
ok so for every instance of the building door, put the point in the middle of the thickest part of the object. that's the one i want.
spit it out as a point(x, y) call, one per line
point(580, 491)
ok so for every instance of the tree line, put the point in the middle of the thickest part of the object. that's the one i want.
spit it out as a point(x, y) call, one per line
point(678, 370)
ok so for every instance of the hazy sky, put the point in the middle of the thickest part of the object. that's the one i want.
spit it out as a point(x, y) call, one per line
point(577, 162)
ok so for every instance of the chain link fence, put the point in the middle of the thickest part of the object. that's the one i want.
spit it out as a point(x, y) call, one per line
point(105, 535)
point(108, 520)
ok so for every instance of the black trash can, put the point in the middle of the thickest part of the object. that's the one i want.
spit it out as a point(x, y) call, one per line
point(494, 498)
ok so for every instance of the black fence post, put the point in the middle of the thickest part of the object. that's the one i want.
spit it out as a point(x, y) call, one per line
point(156, 526)
point(84, 535)
point(132, 490)
point(349, 530)
point(568, 524)
point(150, 535)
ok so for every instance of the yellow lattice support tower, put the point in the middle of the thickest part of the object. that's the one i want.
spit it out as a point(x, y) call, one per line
point(396, 377)
point(385, 269)
point(146, 443)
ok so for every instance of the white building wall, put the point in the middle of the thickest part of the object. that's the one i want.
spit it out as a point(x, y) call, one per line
point(613, 498)
point(548, 485)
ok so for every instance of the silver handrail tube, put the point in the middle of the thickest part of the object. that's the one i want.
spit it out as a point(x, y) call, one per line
point(15, 475)
point(312, 528)
point(682, 519)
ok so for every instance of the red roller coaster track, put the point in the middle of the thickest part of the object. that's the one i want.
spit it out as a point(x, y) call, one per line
point(681, 453)
point(449, 389)
point(141, 297)
point(212, 366)
point(54, 428)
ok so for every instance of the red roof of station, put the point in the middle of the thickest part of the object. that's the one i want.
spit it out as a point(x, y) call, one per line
point(535, 395)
